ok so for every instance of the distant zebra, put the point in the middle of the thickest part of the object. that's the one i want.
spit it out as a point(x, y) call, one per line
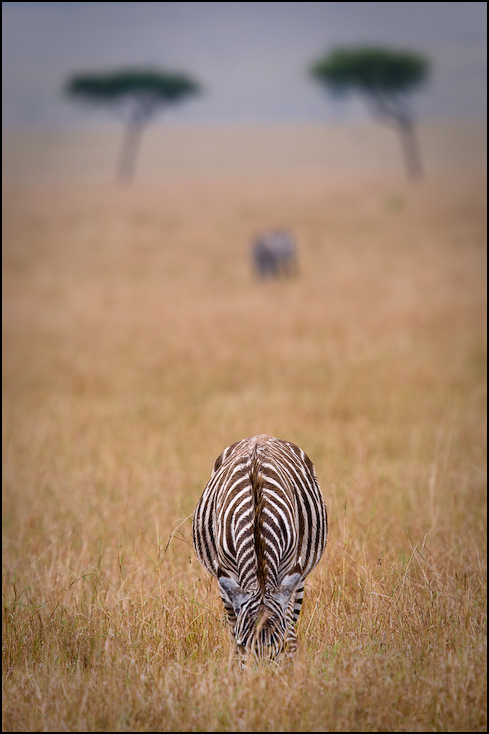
point(274, 254)
point(260, 527)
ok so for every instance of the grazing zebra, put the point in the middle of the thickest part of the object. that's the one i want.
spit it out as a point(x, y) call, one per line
point(274, 254)
point(260, 527)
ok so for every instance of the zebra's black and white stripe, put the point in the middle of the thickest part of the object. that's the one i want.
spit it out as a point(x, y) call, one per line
point(260, 527)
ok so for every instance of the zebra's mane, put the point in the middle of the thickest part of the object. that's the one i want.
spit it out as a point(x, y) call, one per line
point(257, 482)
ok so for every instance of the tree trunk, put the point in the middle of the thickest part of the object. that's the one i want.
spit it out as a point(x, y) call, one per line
point(395, 114)
point(410, 147)
point(129, 150)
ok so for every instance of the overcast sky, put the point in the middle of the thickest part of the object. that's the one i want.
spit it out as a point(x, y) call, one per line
point(250, 57)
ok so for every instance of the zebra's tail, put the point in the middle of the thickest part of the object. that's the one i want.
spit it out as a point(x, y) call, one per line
point(257, 482)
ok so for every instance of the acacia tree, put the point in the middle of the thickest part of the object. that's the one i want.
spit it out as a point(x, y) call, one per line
point(384, 77)
point(136, 96)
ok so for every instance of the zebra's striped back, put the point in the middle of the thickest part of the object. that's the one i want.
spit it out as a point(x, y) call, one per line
point(260, 527)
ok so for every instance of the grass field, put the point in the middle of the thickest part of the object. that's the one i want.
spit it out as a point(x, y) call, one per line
point(137, 345)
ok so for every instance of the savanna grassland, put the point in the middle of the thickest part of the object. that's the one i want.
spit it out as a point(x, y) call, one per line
point(137, 344)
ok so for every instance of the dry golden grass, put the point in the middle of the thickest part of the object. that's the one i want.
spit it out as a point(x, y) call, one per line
point(137, 346)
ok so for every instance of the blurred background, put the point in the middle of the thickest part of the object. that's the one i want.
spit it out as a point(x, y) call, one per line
point(251, 57)
point(251, 60)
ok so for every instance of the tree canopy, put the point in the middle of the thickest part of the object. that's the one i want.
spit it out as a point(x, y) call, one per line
point(370, 69)
point(147, 89)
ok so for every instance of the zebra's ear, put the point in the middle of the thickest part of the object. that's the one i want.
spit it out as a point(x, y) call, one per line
point(232, 593)
point(284, 592)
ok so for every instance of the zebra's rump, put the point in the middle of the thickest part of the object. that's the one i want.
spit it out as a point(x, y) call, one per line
point(261, 513)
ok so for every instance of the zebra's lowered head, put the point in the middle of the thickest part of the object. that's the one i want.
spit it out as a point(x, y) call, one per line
point(264, 626)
